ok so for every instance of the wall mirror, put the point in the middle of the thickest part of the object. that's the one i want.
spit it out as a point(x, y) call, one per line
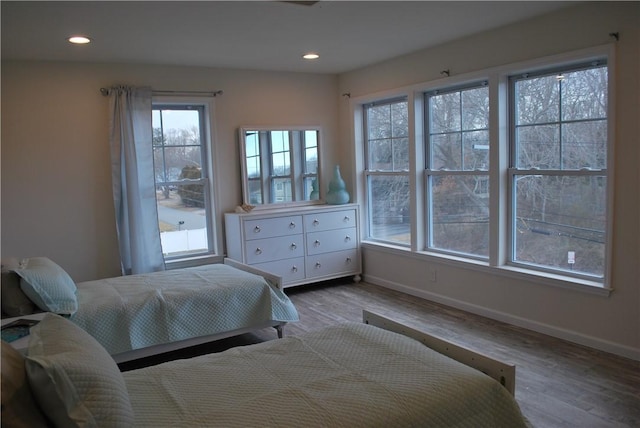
point(280, 166)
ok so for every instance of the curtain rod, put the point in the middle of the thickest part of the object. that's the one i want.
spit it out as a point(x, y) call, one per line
point(105, 92)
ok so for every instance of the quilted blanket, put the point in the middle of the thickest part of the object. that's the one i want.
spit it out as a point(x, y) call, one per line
point(351, 375)
point(136, 311)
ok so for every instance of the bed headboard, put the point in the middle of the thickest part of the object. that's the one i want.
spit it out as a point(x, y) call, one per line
point(502, 372)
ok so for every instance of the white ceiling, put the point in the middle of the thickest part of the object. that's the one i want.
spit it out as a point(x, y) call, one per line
point(265, 35)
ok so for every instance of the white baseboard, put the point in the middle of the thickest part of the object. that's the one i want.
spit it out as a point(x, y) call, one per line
point(550, 330)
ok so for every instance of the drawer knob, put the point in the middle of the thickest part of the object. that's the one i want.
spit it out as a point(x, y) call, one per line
point(258, 250)
point(294, 268)
point(347, 238)
point(292, 225)
point(348, 260)
point(347, 219)
point(318, 265)
point(256, 229)
point(316, 222)
point(317, 243)
point(293, 246)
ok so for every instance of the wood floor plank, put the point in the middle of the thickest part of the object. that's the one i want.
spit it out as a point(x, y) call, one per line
point(559, 384)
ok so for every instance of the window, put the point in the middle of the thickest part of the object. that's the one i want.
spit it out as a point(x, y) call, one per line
point(387, 170)
point(183, 188)
point(558, 170)
point(512, 173)
point(457, 174)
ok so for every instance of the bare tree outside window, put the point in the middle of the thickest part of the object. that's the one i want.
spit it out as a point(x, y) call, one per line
point(457, 171)
point(387, 171)
point(559, 169)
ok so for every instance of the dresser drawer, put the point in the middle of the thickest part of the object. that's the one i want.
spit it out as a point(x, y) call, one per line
point(335, 264)
point(290, 270)
point(330, 220)
point(270, 249)
point(270, 227)
point(331, 240)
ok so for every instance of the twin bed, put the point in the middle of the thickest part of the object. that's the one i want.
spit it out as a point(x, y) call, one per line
point(375, 373)
point(140, 315)
point(351, 375)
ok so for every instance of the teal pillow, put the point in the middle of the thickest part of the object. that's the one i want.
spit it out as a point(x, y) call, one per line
point(48, 286)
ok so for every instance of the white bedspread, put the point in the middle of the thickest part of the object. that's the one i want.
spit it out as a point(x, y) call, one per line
point(137, 311)
point(352, 375)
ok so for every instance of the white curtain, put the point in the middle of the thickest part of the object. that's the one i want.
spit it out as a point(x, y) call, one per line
point(133, 180)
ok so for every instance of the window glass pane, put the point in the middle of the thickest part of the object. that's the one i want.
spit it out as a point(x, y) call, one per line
point(380, 155)
point(476, 150)
point(584, 145)
point(460, 213)
point(280, 164)
point(475, 108)
point(255, 192)
point(183, 226)
point(170, 161)
point(560, 222)
point(399, 120)
point(253, 167)
point(446, 152)
point(279, 141)
point(537, 100)
point(389, 208)
point(379, 121)
point(538, 147)
point(445, 112)
point(310, 152)
point(252, 150)
point(280, 154)
point(584, 94)
point(308, 187)
point(281, 190)
point(401, 154)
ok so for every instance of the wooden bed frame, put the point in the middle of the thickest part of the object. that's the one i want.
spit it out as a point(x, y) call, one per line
point(502, 372)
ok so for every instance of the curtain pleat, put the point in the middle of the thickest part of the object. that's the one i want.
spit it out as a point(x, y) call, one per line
point(133, 180)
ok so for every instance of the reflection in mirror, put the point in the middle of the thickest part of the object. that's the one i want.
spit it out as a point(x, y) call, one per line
point(280, 165)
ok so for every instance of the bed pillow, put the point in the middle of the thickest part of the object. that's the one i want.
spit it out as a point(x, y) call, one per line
point(14, 302)
point(74, 379)
point(19, 406)
point(48, 286)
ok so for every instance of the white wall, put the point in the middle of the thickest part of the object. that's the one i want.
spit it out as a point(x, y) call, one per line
point(609, 322)
point(56, 182)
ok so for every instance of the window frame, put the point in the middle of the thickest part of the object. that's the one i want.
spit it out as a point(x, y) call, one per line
point(204, 105)
point(514, 171)
point(372, 173)
point(498, 262)
point(430, 174)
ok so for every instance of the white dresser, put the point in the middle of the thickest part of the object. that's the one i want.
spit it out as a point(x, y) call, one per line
point(302, 245)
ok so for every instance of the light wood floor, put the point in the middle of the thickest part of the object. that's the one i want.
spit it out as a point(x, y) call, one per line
point(558, 384)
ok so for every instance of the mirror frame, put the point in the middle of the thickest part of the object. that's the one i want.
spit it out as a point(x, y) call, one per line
point(242, 132)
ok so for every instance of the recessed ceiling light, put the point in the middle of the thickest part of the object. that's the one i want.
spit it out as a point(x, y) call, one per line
point(79, 40)
point(311, 56)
